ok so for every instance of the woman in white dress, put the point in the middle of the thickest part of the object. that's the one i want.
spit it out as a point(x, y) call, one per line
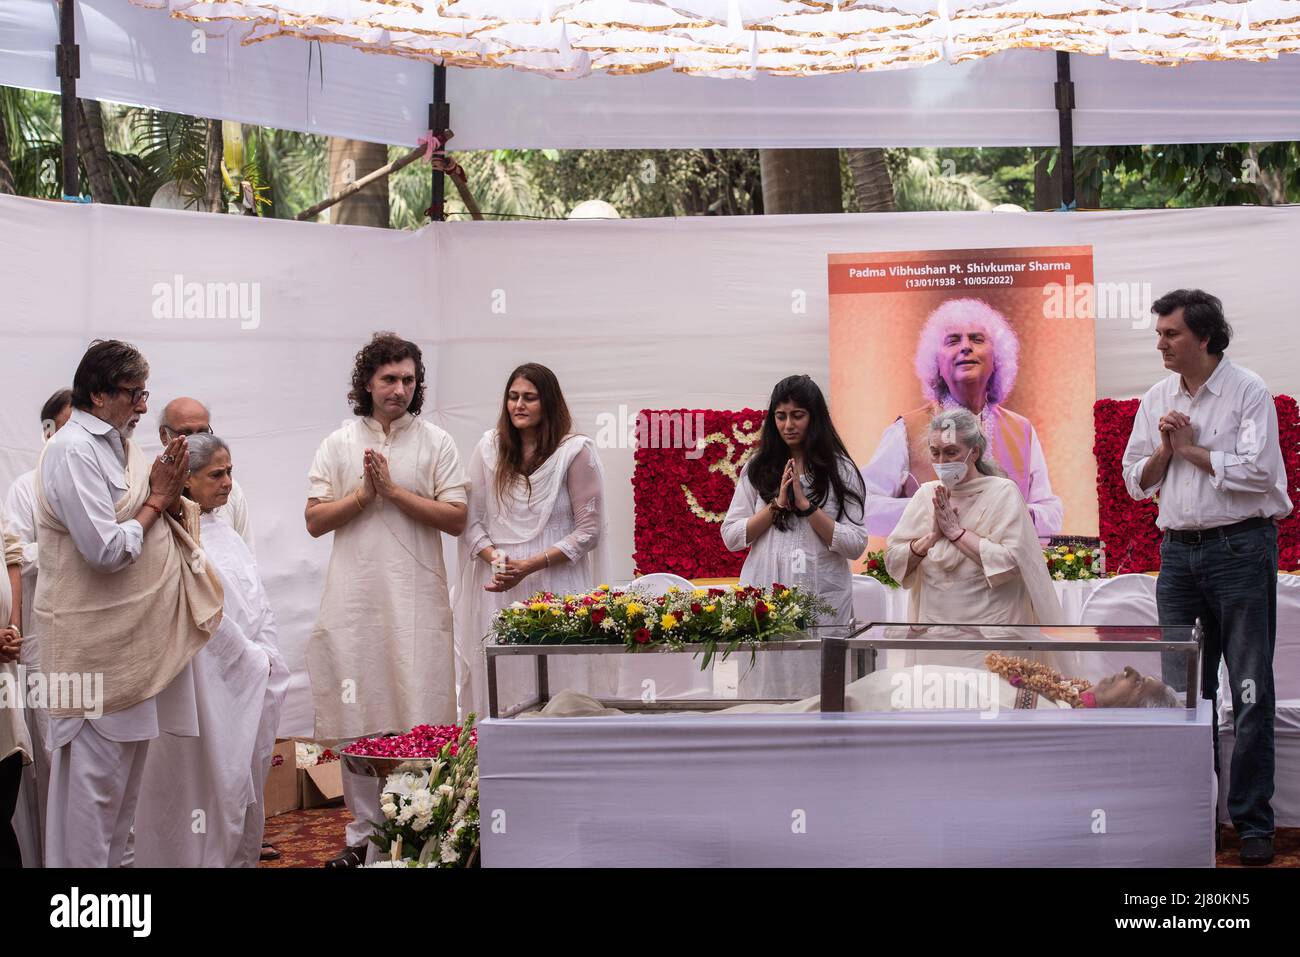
point(966, 547)
point(536, 523)
point(798, 508)
point(240, 680)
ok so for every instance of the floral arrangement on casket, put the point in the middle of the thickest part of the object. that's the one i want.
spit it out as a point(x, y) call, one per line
point(1129, 527)
point(725, 618)
point(430, 800)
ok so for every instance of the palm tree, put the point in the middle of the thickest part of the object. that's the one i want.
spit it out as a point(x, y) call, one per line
point(872, 185)
point(349, 160)
point(801, 181)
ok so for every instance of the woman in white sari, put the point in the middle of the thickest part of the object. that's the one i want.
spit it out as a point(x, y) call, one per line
point(798, 507)
point(240, 681)
point(536, 523)
point(966, 547)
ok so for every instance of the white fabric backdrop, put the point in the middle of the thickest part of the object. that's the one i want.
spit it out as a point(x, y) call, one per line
point(140, 57)
point(630, 314)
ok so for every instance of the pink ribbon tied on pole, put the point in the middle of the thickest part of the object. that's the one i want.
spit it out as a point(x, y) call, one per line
point(431, 144)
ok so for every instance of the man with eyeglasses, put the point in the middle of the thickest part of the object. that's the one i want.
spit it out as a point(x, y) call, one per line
point(186, 416)
point(121, 606)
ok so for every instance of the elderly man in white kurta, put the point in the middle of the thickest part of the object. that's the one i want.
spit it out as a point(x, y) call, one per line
point(382, 655)
point(118, 601)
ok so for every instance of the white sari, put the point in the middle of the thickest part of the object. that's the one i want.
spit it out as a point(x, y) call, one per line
point(1009, 585)
point(564, 510)
point(201, 798)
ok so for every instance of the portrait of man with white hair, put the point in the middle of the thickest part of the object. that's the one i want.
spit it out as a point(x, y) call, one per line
point(967, 356)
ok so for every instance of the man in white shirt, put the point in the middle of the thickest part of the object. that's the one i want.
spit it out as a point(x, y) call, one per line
point(87, 475)
point(186, 416)
point(1206, 439)
point(20, 520)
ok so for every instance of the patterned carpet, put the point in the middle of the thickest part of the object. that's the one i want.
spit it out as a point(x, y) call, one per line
point(307, 838)
point(310, 838)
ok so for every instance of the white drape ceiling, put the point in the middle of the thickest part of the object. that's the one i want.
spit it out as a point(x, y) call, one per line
point(738, 38)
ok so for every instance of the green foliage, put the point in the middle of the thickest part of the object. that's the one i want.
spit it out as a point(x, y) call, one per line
point(289, 172)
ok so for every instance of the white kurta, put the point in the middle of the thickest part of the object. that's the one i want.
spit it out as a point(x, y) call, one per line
point(1010, 584)
point(381, 655)
point(202, 797)
point(796, 557)
point(564, 511)
point(96, 766)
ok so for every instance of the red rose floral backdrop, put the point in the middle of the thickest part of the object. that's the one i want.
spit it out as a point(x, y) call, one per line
point(688, 462)
point(1128, 528)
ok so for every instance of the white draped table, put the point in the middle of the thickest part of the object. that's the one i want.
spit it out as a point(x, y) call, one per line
point(1131, 788)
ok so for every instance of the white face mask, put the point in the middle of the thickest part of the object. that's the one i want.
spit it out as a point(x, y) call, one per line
point(950, 473)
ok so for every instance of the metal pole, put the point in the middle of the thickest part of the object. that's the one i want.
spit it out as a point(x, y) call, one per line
point(67, 61)
point(439, 121)
point(1064, 106)
point(833, 661)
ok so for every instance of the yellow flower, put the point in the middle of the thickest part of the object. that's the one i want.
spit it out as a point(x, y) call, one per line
point(1069, 559)
point(669, 621)
point(673, 589)
point(582, 612)
point(700, 592)
point(710, 607)
point(1061, 549)
point(633, 609)
point(538, 606)
point(556, 612)
point(602, 588)
point(785, 592)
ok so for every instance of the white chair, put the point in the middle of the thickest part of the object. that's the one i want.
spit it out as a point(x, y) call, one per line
point(873, 601)
point(1122, 600)
point(669, 676)
point(1286, 724)
point(658, 583)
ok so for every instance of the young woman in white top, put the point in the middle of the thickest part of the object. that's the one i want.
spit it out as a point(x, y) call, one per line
point(798, 508)
point(536, 523)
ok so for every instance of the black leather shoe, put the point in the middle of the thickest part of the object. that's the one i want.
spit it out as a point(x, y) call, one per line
point(349, 857)
point(1256, 851)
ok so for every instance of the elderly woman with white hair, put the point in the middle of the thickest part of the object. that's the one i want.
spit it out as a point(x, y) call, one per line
point(240, 679)
point(967, 357)
point(966, 548)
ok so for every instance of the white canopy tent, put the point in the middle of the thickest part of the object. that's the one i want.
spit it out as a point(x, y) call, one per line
point(143, 57)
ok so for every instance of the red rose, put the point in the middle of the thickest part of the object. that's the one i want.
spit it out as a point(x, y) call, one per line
point(760, 609)
point(873, 564)
point(641, 635)
point(777, 586)
point(598, 615)
point(697, 608)
point(588, 600)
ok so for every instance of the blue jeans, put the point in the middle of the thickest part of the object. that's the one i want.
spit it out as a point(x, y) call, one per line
point(1230, 584)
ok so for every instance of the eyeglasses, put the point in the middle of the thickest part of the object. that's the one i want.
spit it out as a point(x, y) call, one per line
point(137, 395)
point(205, 430)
